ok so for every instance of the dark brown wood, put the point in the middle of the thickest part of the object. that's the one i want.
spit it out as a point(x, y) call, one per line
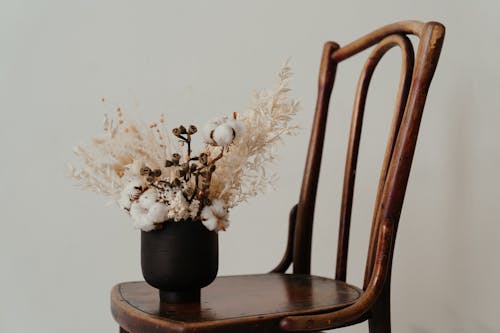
point(359, 309)
point(305, 211)
point(288, 256)
point(355, 136)
point(392, 186)
point(279, 302)
point(245, 303)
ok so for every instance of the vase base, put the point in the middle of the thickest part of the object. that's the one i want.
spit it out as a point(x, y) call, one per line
point(185, 296)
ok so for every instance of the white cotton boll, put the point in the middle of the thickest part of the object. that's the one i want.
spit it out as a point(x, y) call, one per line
point(223, 135)
point(158, 212)
point(215, 217)
point(146, 224)
point(206, 133)
point(148, 227)
point(209, 128)
point(140, 218)
point(218, 208)
point(136, 211)
point(238, 127)
point(124, 201)
point(206, 213)
point(134, 187)
point(148, 198)
point(208, 218)
point(210, 224)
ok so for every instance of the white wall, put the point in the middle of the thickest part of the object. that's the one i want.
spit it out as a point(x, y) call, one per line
point(61, 250)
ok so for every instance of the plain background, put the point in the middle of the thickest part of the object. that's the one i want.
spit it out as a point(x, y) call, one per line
point(62, 249)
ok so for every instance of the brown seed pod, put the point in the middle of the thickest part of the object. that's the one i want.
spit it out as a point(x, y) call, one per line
point(176, 182)
point(182, 129)
point(212, 168)
point(156, 173)
point(145, 171)
point(203, 158)
point(176, 132)
point(192, 129)
point(176, 157)
point(168, 163)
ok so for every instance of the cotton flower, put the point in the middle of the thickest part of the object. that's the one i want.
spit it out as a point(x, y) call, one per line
point(124, 202)
point(215, 216)
point(222, 132)
point(148, 198)
point(140, 218)
point(158, 212)
point(131, 192)
point(223, 135)
point(238, 127)
point(148, 176)
point(134, 188)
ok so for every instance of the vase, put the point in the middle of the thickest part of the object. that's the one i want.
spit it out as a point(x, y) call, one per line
point(179, 260)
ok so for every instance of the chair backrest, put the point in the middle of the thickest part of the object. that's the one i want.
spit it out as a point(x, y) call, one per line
point(416, 75)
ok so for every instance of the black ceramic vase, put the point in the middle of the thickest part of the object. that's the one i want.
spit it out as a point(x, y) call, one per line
point(179, 260)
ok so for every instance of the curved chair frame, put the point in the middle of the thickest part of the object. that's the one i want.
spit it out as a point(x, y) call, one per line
point(415, 79)
point(301, 302)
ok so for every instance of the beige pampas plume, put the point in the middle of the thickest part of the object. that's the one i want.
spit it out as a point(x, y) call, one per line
point(148, 176)
point(244, 170)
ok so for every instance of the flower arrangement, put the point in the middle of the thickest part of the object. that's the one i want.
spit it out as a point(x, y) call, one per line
point(157, 179)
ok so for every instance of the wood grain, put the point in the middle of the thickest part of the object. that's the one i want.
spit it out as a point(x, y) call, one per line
point(253, 300)
point(412, 93)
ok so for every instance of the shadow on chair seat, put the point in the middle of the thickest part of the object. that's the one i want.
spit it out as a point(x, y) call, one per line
point(245, 303)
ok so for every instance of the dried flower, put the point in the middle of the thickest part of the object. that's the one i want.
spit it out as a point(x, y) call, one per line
point(176, 131)
point(222, 132)
point(244, 170)
point(203, 158)
point(145, 171)
point(148, 198)
point(158, 212)
point(192, 129)
point(215, 216)
point(155, 181)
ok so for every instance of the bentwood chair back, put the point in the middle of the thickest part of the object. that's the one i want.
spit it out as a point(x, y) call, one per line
point(416, 75)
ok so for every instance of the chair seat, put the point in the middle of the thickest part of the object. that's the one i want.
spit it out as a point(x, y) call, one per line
point(244, 303)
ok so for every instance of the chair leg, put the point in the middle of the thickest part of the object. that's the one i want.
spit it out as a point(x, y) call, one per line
point(380, 320)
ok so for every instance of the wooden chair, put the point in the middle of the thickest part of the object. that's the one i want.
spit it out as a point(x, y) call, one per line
point(278, 302)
